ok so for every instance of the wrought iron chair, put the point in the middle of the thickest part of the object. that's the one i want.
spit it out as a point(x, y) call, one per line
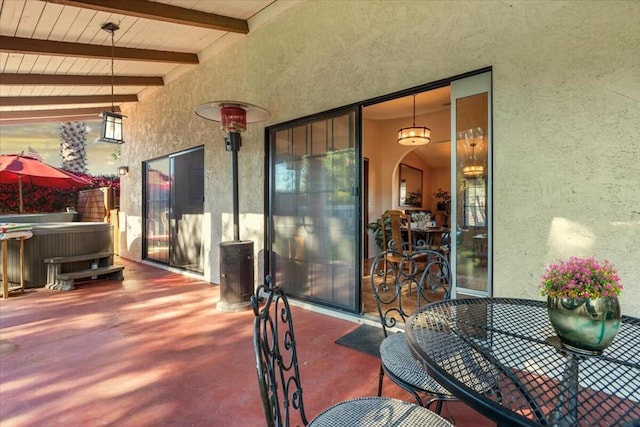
point(275, 349)
point(391, 283)
point(429, 271)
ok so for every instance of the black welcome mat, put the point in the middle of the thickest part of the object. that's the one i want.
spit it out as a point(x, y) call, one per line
point(364, 338)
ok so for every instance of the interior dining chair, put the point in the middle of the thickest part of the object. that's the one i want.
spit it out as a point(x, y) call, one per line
point(275, 348)
point(396, 236)
point(395, 226)
point(430, 273)
point(444, 246)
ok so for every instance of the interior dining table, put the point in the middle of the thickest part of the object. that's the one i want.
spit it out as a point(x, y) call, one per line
point(431, 236)
point(510, 345)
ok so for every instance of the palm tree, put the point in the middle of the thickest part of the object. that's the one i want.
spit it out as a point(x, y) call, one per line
point(73, 147)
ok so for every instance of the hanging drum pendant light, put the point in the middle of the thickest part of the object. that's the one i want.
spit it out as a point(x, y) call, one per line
point(414, 135)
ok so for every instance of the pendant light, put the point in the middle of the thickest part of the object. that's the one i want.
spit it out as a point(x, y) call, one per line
point(414, 135)
point(473, 137)
point(111, 130)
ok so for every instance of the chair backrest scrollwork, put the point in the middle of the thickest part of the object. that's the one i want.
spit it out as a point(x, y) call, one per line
point(274, 346)
point(401, 287)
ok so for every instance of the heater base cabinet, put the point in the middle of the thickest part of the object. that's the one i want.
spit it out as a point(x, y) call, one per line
point(236, 275)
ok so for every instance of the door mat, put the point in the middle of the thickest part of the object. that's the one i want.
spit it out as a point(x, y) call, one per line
point(364, 338)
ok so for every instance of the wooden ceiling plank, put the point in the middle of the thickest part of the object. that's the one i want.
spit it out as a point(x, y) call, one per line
point(47, 47)
point(38, 116)
point(11, 15)
point(162, 12)
point(84, 66)
point(40, 120)
point(41, 64)
point(26, 64)
point(13, 62)
point(52, 66)
point(23, 101)
point(66, 66)
point(47, 20)
point(70, 80)
point(64, 28)
point(79, 25)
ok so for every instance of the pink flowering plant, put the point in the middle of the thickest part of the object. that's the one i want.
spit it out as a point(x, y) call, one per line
point(580, 278)
point(51, 199)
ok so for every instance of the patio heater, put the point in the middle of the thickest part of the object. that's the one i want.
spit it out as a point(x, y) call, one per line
point(236, 257)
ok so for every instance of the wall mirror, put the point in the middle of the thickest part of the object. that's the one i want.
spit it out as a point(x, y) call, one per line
point(410, 186)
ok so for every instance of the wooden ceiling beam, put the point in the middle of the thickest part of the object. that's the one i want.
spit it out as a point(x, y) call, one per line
point(22, 101)
point(59, 115)
point(55, 48)
point(162, 12)
point(21, 79)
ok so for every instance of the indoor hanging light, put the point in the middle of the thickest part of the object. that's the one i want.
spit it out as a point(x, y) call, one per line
point(111, 130)
point(414, 135)
point(473, 137)
point(473, 171)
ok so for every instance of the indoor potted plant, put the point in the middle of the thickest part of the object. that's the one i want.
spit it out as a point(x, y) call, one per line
point(444, 200)
point(582, 302)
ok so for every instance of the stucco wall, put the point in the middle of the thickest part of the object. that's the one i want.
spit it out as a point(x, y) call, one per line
point(566, 115)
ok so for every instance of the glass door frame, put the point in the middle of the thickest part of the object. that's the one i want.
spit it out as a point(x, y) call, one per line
point(476, 84)
point(170, 208)
point(268, 234)
point(269, 226)
point(146, 165)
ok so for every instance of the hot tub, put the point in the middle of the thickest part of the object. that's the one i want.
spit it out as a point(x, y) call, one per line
point(56, 239)
point(40, 217)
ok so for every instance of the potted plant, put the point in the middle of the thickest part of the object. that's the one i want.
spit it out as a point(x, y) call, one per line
point(582, 302)
point(444, 200)
point(376, 228)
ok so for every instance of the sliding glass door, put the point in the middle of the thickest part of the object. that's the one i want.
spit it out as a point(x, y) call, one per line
point(471, 178)
point(313, 230)
point(158, 208)
point(174, 206)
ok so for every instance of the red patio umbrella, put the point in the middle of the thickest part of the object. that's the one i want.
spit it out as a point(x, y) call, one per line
point(18, 168)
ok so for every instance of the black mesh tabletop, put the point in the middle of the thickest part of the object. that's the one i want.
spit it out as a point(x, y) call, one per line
point(510, 342)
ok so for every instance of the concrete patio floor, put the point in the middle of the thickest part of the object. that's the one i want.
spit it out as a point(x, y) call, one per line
point(152, 350)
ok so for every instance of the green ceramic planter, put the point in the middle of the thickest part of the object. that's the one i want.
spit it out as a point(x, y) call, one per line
point(585, 325)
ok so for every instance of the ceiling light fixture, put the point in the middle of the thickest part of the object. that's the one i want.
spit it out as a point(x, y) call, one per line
point(473, 138)
point(111, 130)
point(414, 135)
point(473, 171)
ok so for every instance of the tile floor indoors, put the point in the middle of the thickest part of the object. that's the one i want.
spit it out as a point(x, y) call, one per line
point(152, 350)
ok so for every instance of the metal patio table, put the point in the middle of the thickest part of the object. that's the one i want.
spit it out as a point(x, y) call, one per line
point(511, 343)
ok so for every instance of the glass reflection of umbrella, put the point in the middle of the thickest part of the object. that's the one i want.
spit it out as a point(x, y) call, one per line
point(18, 168)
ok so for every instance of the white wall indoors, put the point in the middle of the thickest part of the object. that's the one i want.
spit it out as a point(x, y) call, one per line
point(566, 116)
point(385, 154)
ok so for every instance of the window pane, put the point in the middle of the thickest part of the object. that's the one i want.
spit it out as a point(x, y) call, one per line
point(472, 237)
point(174, 209)
point(314, 211)
point(158, 191)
